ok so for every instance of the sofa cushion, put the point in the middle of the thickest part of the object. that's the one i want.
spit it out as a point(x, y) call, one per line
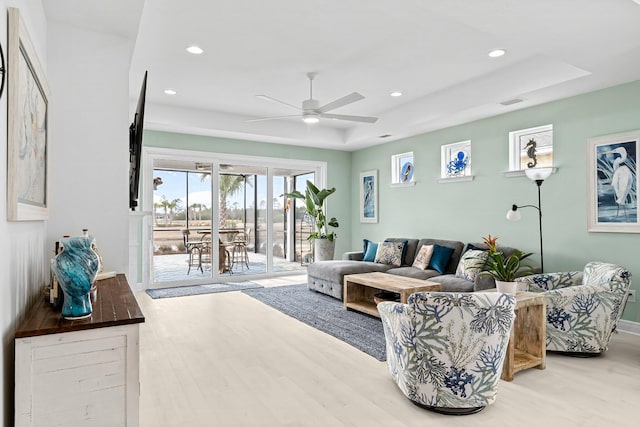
point(451, 283)
point(440, 258)
point(390, 253)
point(423, 257)
point(471, 264)
point(413, 272)
point(335, 270)
point(370, 251)
point(455, 245)
point(410, 248)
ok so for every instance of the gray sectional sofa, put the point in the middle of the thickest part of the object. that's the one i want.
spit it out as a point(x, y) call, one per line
point(327, 276)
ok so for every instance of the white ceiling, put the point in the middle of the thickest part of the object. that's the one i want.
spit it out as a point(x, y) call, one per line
point(435, 51)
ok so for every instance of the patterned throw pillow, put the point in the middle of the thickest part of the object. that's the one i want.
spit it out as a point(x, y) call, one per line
point(390, 253)
point(471, 264)
point(423, 257)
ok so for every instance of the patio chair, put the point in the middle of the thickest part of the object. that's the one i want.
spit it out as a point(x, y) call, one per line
point(446, 350)
point(194, 249)
point(239, 254)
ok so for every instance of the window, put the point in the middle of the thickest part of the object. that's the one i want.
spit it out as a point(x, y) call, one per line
point(402, 169)
point(531, 148)
point(455, 160)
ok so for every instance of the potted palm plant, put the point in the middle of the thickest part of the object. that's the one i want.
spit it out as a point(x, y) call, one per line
point(505, 269)
point(324, 241)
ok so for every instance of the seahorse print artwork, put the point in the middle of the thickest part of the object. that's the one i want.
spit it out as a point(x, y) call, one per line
point(531, 153)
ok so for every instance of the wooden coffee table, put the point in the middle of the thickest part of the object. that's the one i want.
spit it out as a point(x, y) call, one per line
point(359, 289)
point(528, 341)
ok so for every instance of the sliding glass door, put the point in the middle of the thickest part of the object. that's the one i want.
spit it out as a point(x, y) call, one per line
point(224, 221)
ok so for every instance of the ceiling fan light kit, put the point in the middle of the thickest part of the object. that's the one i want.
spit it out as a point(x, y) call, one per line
point(311, 111)
point(310, 118)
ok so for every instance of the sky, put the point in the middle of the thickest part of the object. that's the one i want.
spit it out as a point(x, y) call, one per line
point(174, 187)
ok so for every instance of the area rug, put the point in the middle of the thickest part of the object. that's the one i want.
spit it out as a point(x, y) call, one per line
point(183, 291)
point(326, 314)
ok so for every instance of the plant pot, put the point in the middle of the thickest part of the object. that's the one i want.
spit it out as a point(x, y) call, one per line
point(324, 249)
point(507, 287)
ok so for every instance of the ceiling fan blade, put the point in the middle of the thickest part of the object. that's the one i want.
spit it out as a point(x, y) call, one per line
point(261, 119)
point(272, 99)
point(340, 102)
point(364, 119)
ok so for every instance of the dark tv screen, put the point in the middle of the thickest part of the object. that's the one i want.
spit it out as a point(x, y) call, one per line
point(135, 147)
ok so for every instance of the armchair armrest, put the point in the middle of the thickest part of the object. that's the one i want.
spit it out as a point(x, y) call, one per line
point(353, 256)
point(551, 281)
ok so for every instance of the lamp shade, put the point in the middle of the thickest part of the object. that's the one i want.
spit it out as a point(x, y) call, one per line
point(514, 214)
point(536, 174)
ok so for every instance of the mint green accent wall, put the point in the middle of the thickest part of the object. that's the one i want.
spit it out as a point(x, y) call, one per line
point(467, 211)
point(338, 167)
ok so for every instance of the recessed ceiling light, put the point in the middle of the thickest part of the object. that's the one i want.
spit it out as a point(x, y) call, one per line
point(396, 93)
point(196, 50)
point(170, 92)
point(496, 53)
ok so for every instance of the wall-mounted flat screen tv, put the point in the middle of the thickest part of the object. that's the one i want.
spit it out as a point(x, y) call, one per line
point(135, 147)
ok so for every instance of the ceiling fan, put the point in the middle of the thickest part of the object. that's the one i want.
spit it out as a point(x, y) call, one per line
point(311, 111)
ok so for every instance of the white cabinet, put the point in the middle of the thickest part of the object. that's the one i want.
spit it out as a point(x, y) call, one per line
point(86, 377)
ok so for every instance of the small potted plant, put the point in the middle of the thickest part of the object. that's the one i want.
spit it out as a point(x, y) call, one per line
point(505, 269)
point(324, 241)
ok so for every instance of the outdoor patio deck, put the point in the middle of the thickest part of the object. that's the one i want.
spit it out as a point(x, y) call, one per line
point(174, 267)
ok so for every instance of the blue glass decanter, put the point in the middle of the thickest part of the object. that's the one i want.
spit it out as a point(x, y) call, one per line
point(76, 268)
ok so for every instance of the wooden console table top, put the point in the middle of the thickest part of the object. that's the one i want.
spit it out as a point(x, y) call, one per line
point(115, 305)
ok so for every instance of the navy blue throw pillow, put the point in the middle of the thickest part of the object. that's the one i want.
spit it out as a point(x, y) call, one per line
point(472, 247)
point(440, 258)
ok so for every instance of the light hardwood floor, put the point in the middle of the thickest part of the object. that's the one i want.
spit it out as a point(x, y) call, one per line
point(228, 360)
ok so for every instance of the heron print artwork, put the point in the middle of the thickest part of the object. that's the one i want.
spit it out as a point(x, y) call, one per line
point(369, 196)
point(613, 183)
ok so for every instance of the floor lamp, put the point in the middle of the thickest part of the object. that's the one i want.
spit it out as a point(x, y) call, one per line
point(538, 175)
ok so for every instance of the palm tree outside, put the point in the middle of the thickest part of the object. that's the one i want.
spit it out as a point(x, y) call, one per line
point(229, 186)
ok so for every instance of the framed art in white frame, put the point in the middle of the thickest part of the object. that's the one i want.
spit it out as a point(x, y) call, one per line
point(369, 196)
point(455, 162)
point(27, 140)
point(612, 183)
point(530, 148)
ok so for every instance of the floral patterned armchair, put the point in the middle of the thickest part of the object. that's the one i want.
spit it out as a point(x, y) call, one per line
point(583, 307)
point(446, 350)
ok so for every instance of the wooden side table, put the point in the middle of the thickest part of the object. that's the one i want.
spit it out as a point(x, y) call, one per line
point(528, 341)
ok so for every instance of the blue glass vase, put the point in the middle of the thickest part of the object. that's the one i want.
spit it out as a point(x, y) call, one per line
point(76, 268)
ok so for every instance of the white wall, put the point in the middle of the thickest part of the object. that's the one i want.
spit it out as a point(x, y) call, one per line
point(88, 157)
point(23, 262)
point(89, 81)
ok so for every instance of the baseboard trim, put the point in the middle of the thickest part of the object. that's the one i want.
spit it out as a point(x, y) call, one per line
point(629, 327)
